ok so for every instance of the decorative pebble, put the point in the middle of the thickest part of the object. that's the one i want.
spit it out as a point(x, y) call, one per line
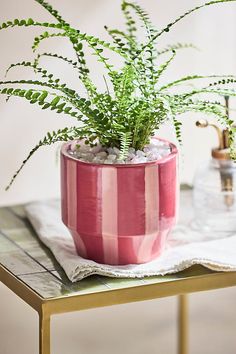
point(111, 157)
point(154, 151)
point(96, 149)
point(108, 162)
point(140, 153)
point(131, 151)
point(116, 151)
point(110, 151)
point(139, 159)
point(102, 154)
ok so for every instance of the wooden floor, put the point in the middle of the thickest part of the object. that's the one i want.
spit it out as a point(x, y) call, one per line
point(141, 328)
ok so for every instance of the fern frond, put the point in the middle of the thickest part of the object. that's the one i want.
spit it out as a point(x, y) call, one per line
point(217, 91)
point(197, 77)
point(51, 10)
point(177, 125)
point(118, 37)
point(146, 57)
point(71, 32)
point(57, 56)
point(130, 22)
point(58, 103)
point(65, 134)
point(171, 24)
point(30, 22)
point(143, 16)
point(163, 67)
point(46, 35)
point(37, 83)
point(51, 80)
point(125, 141)
point(80, 65)
point(206, 107)
point(230, 79)
point(175, 47)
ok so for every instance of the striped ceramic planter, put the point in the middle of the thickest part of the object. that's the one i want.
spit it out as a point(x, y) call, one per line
point(119, 214)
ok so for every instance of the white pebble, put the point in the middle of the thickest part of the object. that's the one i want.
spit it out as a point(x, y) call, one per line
point(87, 156)
point(153, 155)
point(139, 159)
point(110, 151)
point(98, 160)
point(111, 157)
point(96, 149)
point(130, 156)
point(146, 149)
point(120, 162)
point(116, 151)
point(164, 153)
point(82, 147)
point(153, 151)
point(157, 142)
point(131, 151)
point(102, 154)
point(140, 153)
point(73, 145)
point(108, 162)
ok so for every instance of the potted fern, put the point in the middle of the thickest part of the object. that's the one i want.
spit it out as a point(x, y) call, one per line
point(119, 181)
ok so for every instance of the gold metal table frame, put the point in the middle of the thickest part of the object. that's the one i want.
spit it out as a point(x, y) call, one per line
point(204, 280)
point(29, 269)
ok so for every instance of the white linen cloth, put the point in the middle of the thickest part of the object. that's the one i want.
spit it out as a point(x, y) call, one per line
point(185, 248)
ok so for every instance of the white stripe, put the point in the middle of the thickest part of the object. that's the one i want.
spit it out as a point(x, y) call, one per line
point(151, 213)
point(109, 215)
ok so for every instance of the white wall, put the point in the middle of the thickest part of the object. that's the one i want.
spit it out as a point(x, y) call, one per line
point(22, 125)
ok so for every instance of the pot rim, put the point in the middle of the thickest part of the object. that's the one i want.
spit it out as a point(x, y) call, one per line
point(173, 153)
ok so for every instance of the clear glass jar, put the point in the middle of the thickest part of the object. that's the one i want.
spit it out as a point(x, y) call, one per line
point(214, 198)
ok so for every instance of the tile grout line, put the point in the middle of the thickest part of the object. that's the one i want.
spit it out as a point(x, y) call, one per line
point(103, 282)
point(22, 275)
point(23, 219)
point(47, 270)
point(31, 257)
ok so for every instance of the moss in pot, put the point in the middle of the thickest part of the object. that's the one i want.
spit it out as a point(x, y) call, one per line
point(119, 205)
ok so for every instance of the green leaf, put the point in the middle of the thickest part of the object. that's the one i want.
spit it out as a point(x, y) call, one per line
point(65, 134)
point(51, 10)
point(30, 21)
point(178, 19)
point(55, 101)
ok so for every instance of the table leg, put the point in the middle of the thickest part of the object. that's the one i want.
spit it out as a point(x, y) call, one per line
point(44, 333)
point(183, 324)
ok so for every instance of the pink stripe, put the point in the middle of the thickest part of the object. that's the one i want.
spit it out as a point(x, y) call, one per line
point(151, 213)
point(109, 215)
point(131, 211)
point(64, 210)
point(159, 243)
point(167, 193)
point(89, 210)
point(71, 195)
point(177, 206)
point(79, 243)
